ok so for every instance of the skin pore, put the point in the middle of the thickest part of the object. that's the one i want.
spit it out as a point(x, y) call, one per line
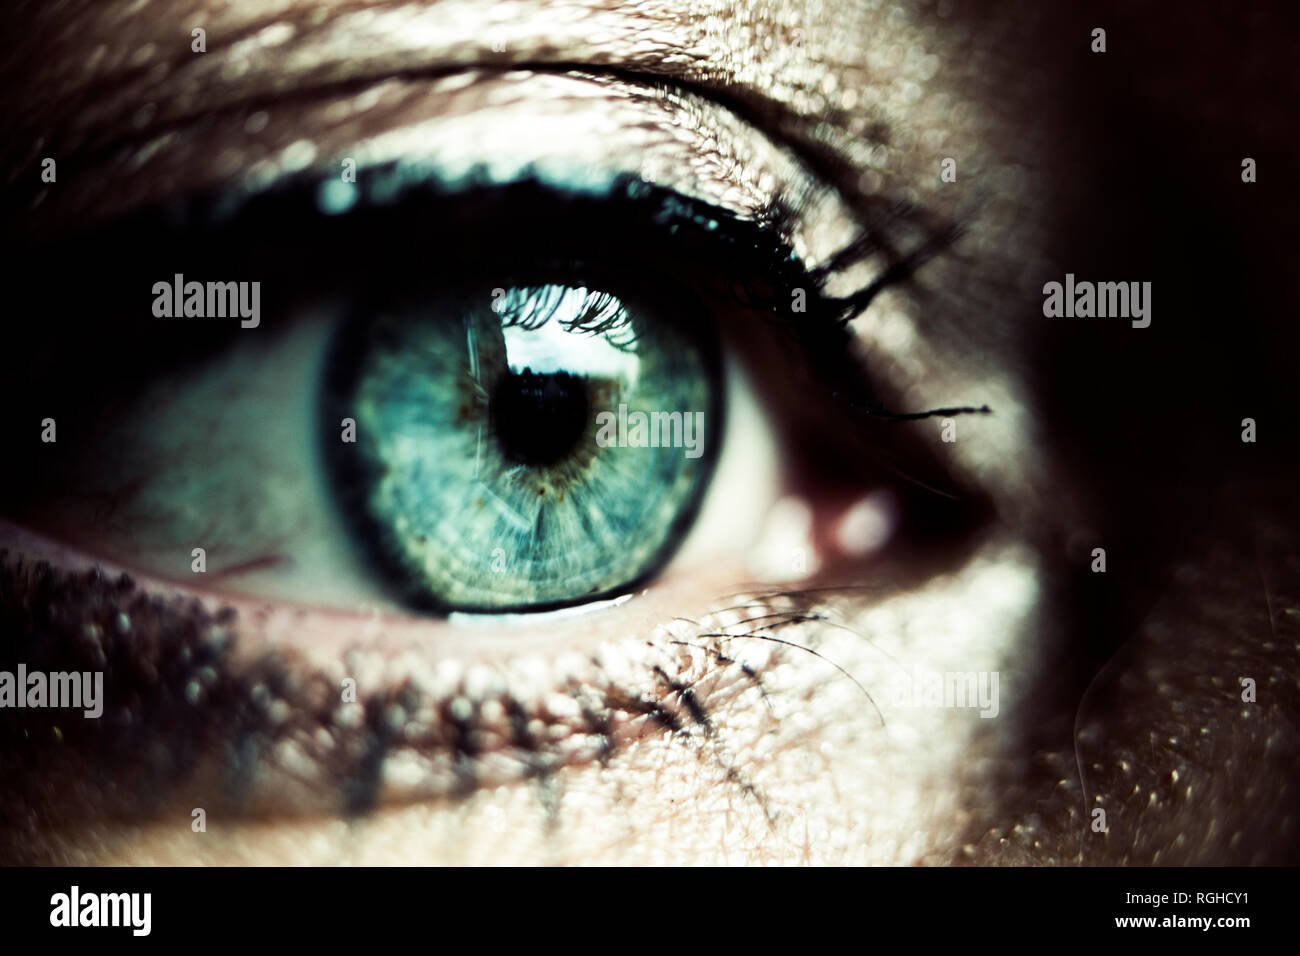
point(644, 734)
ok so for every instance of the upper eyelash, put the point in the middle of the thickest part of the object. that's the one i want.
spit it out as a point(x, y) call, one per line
point(876, 216)
point(771, 268)
point(900, 269)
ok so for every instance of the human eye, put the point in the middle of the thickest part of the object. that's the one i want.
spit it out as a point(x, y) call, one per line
point(465, 309)
point(519, 410)
point(525, 417)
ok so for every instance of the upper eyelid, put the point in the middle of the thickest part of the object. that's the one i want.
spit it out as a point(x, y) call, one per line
point(128, 135)
point(815, 282)
point(872, 239)
point(135, 146)
point(876, 215)
point(245, 63)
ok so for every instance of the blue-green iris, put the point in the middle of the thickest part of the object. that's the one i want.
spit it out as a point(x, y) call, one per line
point(505, 451)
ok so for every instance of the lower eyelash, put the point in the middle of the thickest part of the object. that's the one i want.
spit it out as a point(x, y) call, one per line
point(188, 721)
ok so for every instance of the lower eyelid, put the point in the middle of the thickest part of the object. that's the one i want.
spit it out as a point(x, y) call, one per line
point(245, 703)
point(472, 639)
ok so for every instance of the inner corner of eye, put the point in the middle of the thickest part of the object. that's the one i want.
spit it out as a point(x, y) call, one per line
point(508, 447)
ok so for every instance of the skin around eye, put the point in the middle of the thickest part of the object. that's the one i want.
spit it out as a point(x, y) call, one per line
point(711, 669)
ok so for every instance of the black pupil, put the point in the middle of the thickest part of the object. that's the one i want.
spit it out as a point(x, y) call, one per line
point(538, 419)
